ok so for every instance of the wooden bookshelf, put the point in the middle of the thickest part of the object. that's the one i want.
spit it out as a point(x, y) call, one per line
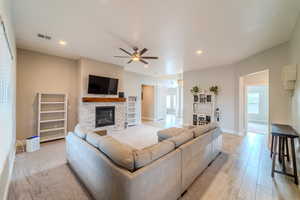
point(52, 116)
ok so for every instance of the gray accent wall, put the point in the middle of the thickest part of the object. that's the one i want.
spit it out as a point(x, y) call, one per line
point(37, 72)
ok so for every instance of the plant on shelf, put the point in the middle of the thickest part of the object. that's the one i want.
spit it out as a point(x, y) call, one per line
point(195, 90)
point(214, 89)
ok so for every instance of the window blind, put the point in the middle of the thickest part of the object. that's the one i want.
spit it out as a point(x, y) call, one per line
point(5, 65)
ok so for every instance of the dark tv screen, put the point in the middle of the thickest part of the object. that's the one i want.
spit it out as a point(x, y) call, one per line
point(102, 85)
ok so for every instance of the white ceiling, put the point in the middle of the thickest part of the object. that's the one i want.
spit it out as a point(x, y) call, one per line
point(226, 31)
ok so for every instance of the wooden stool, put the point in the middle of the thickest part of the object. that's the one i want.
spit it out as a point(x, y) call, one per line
point(283, 142)
point(282, 133)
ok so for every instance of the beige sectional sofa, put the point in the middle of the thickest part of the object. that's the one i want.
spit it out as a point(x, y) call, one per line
point(112, 170)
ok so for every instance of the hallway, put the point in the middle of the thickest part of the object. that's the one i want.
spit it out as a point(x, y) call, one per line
point(261, 128)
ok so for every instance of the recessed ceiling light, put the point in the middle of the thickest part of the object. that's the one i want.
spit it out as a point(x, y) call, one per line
point(146, 66)
point(199, 52)
point(62, 42)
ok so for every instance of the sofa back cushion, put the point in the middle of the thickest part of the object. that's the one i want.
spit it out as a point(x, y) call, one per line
point(169, 132)
point(121, 154)
point(93, 138)
point(182, 138)
point(200, 130)
point(149, 154)
point(80, 131)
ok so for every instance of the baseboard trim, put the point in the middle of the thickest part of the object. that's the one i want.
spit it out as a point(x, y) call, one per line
point(258, 121)
point(230, 131)
point(10, 164)
point(147, 118)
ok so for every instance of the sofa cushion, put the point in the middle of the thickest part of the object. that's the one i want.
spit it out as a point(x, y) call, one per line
point(190, 127)
point(161, 149)
point(80, 131)
point(141, 158)
point(121, 154)
point(169, 132)
point(93, 138)
point(152, 153)
point(200, 130)
point(182, 138)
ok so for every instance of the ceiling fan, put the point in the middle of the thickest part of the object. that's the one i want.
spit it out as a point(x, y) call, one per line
point(136, 55)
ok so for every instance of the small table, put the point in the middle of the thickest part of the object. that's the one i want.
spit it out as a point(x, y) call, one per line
point(283, 133)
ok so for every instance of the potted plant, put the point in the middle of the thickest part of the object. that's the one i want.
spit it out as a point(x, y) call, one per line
point(214, 89)
point(195, 90)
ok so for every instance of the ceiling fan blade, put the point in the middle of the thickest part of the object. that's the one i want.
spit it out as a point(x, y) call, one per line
point(125, 51)
point(149, 57)
point(122, 56)
point(129, 61)
point(143, 51)
point(143, 61)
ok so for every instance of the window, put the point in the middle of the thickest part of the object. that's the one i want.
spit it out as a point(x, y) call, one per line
point(5, 66)
point(174, 101)
point(253, 103)
point(171, 101)
point(168, 102)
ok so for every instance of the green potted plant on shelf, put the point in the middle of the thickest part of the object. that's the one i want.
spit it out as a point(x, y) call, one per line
point(214, 89)
point(195, 90)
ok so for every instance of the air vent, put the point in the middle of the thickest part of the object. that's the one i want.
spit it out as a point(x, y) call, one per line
point(46, 37)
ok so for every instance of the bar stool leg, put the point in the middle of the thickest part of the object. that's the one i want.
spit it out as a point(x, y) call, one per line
point(274, 156)
point(287, 149)
point(294, 161)
point(279, 150)
point(272, 148)
point(283, 153)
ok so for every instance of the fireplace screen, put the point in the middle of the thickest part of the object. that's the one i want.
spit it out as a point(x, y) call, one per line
point(105, 116)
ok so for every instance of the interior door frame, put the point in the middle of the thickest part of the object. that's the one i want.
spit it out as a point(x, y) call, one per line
point(243, 104)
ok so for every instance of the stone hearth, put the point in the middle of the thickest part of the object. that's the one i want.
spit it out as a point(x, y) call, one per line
point(87, 115)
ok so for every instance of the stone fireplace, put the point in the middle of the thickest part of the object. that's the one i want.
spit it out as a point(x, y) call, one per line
point(105, 116)
point(102, 115)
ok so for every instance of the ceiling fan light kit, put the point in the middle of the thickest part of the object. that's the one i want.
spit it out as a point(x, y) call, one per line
point(137, 55)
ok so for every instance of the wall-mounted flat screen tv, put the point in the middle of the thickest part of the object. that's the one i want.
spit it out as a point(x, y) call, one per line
point(102, 85)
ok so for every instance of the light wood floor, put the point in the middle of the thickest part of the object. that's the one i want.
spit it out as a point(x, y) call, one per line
point(241, 172)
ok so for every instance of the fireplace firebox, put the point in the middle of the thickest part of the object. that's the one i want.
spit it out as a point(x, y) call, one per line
point(105, 116)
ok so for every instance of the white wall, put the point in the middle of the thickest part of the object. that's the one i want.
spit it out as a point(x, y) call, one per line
point(8, 118)
point(133, 86)
point(227, 78)
point(295, 59)
point(221, 76)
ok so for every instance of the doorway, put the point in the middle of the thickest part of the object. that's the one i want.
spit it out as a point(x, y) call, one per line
point(174, 103)
point(257, 109)
point(254, 103)
point(148, 103)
